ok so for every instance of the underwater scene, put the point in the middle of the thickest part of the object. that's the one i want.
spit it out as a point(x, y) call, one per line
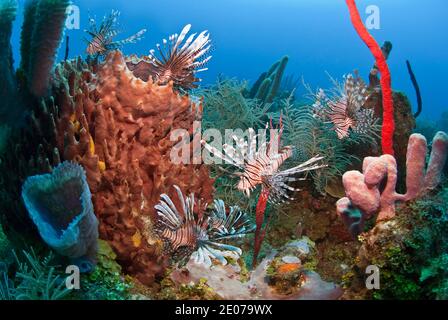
point(223, 150)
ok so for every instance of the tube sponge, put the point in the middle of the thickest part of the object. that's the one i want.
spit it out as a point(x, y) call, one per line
point(47, 18)
point(60, 205)
point(26, 34)
point(268, 84)
point(8, 9)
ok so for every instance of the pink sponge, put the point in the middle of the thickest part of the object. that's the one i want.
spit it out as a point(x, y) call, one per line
point(373, 191)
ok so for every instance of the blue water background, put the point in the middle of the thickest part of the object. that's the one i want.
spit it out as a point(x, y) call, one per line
point(249, 35)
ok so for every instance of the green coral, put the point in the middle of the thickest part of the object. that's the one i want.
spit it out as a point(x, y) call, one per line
point(35, 279)
point(310, 136)
point(225, 107)
point(413, 260)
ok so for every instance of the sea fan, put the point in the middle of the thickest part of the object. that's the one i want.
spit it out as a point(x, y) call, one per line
point(179, 62)
point(191, 234)
point(310, 135)
point(226, 107)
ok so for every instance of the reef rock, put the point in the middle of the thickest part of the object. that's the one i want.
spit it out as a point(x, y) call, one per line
point(230, 283)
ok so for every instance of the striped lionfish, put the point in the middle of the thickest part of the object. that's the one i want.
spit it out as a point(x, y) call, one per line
point(102, 38)
point(178, 61)
point(190, 234)
point(345, 109)
point(261, 167)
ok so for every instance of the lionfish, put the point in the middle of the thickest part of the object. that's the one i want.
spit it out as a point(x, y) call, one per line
point(178, 61)
point(102, 38)
point(345, 109)
point(261, 167)
point(190, 234)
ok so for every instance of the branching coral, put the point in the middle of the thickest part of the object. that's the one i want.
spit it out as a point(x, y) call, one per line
point(365, 194)
point(119, 128)
point(190, 233)
point(36, 279)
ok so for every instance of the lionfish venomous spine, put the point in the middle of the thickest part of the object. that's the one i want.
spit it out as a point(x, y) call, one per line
point(102, 42)
point(179, 61)
point(188, 233)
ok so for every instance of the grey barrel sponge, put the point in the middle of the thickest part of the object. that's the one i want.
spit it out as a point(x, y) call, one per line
point(60, 205)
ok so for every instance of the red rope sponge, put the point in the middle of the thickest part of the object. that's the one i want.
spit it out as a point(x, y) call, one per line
point(387, 136)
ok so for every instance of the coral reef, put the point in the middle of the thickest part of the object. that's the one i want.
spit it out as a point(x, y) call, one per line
point(366, 197)
point(410, 251)
point(118, 127)
point(35, 279)
point(404, 126)
point(238, 286)
point(225, 107)
point(61, 207)
point(309, 136)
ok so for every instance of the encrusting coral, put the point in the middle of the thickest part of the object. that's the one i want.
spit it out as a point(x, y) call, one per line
point(365, 194)
point(61, 207)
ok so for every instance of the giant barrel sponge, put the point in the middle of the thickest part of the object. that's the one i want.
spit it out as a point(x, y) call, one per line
point(61, 207)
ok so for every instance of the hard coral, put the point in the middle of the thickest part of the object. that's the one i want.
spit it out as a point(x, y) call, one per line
point(118, 127)
point(365, 197)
